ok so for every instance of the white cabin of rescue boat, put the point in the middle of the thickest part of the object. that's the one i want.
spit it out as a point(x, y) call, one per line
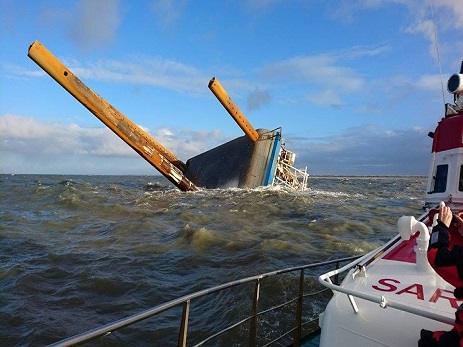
point(445, 178)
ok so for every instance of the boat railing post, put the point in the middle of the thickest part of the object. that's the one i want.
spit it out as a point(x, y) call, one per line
point(353, 303)
point(253, 322)
point(300, 296)
point(182, 336)
point(336, 276)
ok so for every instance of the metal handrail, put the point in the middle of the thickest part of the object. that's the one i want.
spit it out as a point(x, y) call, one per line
point(325, 280)
point(187, 299)
point(300, 177)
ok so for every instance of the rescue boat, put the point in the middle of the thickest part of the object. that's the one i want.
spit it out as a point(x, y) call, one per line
point(391, 294)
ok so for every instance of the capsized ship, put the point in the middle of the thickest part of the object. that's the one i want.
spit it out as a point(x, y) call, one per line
point(259, 158)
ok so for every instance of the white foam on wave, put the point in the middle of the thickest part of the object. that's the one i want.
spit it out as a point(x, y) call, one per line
point(318, 192)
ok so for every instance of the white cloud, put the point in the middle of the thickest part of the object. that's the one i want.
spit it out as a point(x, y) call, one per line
point(322, 70)
point(451, 10)
point(430, 82)
point(365, 150)
point(96, 23)
point(185, 143)
point(27, 135)
point(323, 78)
point(326, 98)
point(15, 71)
point(326, 70)
point(48, 143)
point(31, 146)
point(140, 70)
point(257, 99)
point(446, 15)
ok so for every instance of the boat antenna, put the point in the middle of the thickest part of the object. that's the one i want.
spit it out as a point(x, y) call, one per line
point(437, 51)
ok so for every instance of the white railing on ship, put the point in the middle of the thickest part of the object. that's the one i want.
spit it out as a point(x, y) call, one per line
point(300, 176)
point(185, 301)
point(325, 280)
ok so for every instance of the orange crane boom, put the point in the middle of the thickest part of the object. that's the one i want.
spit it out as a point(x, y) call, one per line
point(232, 109)
point(151, 150)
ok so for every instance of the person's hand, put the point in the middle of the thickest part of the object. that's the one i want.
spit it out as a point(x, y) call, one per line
point(445, 216)
point(458, 218)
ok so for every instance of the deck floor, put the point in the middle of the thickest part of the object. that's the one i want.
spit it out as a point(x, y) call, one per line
point(312, 340)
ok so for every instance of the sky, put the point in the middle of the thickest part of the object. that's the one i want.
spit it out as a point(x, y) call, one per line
point(355, 85)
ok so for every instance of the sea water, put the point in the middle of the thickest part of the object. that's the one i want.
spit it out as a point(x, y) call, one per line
point(77, 252)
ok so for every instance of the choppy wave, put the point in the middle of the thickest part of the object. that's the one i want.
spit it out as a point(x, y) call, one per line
point(82, 250)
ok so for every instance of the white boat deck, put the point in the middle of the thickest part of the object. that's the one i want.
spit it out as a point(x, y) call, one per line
point(388, 299)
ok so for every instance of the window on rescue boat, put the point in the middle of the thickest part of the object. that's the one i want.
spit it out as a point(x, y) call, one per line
point(460, 184)
point(440, 180)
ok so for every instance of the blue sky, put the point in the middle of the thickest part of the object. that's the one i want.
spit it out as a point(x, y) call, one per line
point(354, 84)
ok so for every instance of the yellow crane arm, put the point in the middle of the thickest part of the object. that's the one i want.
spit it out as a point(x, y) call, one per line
point(152, 151)
point(232, 109)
